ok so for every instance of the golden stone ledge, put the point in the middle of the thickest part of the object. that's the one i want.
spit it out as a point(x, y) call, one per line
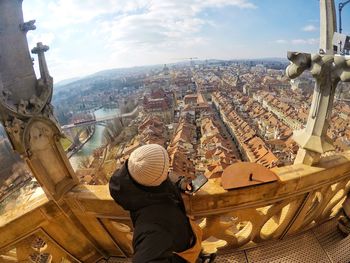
point(87, 218)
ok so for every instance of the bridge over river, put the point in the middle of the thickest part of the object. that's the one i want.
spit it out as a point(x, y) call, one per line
point(99, 120)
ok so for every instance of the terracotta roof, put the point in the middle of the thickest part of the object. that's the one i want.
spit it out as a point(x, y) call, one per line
point(215, 173)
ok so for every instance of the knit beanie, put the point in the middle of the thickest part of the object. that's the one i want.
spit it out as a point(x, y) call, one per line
point(148, 165)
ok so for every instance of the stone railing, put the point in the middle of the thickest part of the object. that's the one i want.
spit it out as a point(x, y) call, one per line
point(87, 225)
point(303, 197)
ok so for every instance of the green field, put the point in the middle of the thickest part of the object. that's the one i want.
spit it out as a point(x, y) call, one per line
point(65, 143)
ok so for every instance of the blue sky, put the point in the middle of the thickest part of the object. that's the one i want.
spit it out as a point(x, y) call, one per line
point(92, 35)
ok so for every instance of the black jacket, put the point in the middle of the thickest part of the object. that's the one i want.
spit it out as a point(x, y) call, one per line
point(158, 216)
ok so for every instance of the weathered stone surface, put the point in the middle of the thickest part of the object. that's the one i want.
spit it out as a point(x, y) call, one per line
point(328, 70)
point(84, 224)
point(25, 107)
point(17, 72)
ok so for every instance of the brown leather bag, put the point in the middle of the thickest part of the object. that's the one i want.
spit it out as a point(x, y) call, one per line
point(191, 255)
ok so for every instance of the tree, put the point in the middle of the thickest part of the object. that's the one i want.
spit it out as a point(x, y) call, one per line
point(84, 162)
point(112, 130)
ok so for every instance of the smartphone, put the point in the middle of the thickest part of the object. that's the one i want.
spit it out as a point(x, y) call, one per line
point(198, 182)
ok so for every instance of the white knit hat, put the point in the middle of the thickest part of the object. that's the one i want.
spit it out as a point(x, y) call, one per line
point(148, 165)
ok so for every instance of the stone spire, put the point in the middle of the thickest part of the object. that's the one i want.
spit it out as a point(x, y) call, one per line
point(17, 73)
point(40, 50)
point(328, 26)
point(25, 108)
point(328, 70)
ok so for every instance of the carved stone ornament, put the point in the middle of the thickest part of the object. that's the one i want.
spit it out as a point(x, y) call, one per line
point(46, 156)
point(27, 26)
point(39, 136)
point(25, 108)
point(15, 130)
point(25, 104)
point(35, 102)
point(328, 70)
point(25, 96)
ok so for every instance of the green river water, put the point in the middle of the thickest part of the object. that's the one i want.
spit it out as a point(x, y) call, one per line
point(97, 139)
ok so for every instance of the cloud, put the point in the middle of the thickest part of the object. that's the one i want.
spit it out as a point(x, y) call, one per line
point(309, 41)
point(166, 23)
point(220, 3)
point(134, 21)
point(309, 28)
point(298, 41)
point(120, 32)
point(63, 13)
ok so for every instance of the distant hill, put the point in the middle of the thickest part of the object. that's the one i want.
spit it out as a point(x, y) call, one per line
point(81, 82)
point(74, 83)
point(65, 82)
point(123, 71)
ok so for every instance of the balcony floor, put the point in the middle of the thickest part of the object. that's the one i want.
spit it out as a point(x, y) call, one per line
point(321, 244)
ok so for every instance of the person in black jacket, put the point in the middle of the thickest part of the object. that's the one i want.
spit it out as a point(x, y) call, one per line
point(142, 186)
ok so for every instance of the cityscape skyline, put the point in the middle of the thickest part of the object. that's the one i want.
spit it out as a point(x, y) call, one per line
point(270, 138)
point(133, 33)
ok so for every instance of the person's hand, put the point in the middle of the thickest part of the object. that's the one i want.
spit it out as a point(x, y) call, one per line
point(186, 185)
point(188, 188)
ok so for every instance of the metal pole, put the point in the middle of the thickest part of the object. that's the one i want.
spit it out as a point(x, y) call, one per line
point(340, 8)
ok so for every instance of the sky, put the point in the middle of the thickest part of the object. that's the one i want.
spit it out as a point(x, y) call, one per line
point(86, 36)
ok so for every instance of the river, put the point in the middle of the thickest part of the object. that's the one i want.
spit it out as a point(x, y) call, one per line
point(96, 140)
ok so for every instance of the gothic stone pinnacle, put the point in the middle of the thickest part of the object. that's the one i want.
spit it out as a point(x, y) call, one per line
point(327, 70)
point(40, 48)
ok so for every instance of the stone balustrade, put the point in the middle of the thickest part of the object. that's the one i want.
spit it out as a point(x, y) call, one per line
point(87, 225)
point(67, 222)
